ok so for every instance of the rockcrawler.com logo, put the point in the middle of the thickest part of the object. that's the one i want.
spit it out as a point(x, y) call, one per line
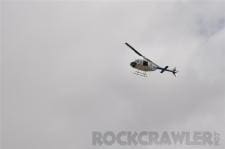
point(145, 138)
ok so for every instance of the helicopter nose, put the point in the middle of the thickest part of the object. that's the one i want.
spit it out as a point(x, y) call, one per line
point(133, 64)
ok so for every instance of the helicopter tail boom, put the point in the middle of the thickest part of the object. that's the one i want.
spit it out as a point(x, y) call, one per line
point(174, 71)
point(164, 69)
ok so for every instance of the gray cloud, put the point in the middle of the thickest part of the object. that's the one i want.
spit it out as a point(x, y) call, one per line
point(66, 70)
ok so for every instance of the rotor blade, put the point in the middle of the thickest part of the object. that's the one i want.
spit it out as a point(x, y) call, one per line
point(140, 54)
point(134, 49)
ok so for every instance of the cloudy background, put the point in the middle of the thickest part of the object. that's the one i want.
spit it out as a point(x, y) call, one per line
point(66, 70)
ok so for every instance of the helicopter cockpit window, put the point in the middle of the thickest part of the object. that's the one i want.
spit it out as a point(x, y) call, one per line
point(145, 63)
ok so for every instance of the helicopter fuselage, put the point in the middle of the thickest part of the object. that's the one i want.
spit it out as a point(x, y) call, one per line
point(143, 65)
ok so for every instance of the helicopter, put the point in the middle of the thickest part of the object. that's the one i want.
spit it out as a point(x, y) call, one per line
point(145, 65)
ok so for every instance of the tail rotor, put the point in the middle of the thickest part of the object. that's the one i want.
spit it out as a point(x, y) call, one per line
point(174, 71)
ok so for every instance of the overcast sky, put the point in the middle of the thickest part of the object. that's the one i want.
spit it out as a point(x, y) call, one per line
point(66, 70)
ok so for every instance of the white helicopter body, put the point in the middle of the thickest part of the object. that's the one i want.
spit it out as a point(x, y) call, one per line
point(146, 64)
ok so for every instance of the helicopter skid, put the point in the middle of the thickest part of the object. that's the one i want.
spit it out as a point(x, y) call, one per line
point(139, 73)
